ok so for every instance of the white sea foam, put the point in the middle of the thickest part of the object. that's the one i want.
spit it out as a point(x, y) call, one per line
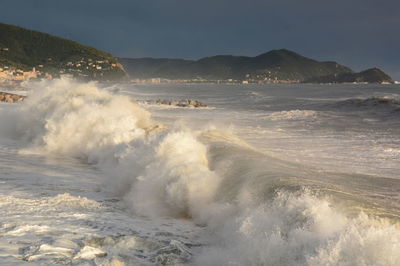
point(300, 230)
point(59, 202)
point(292, 115)
point(251, 220)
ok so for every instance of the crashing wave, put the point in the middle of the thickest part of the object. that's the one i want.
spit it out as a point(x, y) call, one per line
point(256, 211)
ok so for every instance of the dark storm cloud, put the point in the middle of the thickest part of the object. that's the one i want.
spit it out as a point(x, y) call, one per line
point(359, 33)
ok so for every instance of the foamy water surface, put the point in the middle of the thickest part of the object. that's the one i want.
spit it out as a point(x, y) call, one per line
point(267, 175)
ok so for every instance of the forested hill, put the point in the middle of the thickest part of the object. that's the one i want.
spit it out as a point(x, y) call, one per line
point(274, 66)
point(24, 49)
point(21, 50)
point(372, 75)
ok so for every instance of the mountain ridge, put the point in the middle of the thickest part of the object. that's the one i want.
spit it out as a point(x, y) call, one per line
point(280, 65)
point(26, 54)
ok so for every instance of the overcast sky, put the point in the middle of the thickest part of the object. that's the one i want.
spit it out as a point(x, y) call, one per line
point(357, 33)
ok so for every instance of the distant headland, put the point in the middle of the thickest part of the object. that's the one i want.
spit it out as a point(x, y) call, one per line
point(276, 66)
point(27, 54)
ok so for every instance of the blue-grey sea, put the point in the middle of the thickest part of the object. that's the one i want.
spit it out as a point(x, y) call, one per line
point(273, 174)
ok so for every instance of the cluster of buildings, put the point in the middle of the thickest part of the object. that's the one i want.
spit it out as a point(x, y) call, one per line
point(222, 81)
point(15, 74)
point(178, 81)
point(82, 68)
point(10, 73)
point(164, 80)
point(87, 67)
point(254, 78)
point(266, 78)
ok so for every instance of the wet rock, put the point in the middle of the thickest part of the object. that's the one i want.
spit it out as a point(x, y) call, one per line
point(11, 98)
point(180, 103)
point(190, 103)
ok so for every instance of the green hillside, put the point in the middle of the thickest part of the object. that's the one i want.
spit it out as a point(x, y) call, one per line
point(372, 75)
point(274, 65)
point(165, 68)
point(24, 49)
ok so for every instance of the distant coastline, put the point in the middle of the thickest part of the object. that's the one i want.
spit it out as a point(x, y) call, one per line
point(242, 82)
point(276, 66)
point(31, 55)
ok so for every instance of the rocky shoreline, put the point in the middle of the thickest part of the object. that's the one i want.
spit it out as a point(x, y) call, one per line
point(180, 103)
point(15, 98)
point(11, 97)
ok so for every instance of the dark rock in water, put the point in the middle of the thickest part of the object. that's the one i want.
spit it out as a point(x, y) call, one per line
point(190, 103)
point(180, 103)
point(11, 98)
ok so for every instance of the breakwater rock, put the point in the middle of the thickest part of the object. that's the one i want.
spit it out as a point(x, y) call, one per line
point(11, 97)
point(180, 103)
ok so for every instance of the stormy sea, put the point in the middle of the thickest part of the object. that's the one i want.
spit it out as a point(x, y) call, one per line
point(279, 174)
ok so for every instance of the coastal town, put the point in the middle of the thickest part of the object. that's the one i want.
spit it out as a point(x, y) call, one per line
point(14, 74)
point(82, 68)
point(16, 67)
point(259, 79)
point(89, 68)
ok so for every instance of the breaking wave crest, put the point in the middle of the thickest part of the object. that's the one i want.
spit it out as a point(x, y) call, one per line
point(168, 168)
point(256, 208)
point(299, 229)
point(79, 120)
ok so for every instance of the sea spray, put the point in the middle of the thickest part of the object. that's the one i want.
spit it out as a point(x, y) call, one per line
point(255, 207)
point(177, 182)
point(162, 173)
point(299, 229)
point(79, 120)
